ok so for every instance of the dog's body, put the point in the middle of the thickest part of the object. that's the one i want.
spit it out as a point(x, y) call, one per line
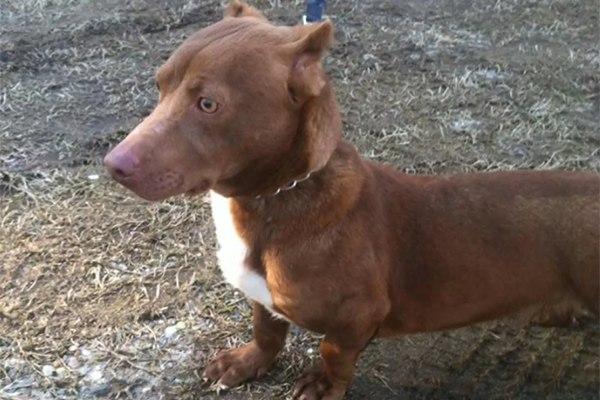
point(356, 250)
point(418, 253)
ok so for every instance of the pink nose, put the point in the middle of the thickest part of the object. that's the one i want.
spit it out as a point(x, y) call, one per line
point(121, 164)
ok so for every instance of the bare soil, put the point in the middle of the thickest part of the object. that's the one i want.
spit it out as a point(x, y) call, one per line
point(103, 295)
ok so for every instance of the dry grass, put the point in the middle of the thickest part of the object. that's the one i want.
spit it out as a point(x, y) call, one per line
point(104, 295)
point(85, 308)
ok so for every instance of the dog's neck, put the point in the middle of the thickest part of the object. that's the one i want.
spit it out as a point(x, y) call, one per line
point(317, 136)
point(313, 204)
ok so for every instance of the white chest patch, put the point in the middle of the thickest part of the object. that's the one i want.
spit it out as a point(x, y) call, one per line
point(232, 255)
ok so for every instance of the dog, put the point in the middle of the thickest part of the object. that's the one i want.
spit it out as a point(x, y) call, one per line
point(315, 235)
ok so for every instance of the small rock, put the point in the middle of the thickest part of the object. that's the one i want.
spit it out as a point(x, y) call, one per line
point(73, 362)
point(93, 177)
point(101, 390)
point(369, 56)
point(19, 384)
point(5, 56)
point(48, 370)
point(14, 363)
point(84, 370)
point(96, 374)
point(85, 353)
point(60, 373)
point(519, 151)
point(172, 330)
point(465, 124)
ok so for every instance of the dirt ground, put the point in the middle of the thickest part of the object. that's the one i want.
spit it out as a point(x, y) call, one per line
point(104, 295)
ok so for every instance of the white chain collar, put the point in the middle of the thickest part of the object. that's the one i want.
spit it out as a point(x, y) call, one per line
point(288, 186)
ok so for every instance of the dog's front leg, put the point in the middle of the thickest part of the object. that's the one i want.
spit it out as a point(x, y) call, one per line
point(330, 377)
point(232, 367)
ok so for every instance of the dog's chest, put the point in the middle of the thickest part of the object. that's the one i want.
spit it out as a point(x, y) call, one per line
point(233, 255)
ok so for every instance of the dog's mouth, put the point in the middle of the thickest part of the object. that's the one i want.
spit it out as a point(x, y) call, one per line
point(163, 186)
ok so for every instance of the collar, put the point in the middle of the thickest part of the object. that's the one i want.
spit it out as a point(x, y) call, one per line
point(288, 186)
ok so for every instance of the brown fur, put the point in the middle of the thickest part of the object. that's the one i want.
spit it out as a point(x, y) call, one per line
point(359, 250)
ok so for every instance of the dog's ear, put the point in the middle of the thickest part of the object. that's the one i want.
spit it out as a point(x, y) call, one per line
point(307, 77)
point(320, 123)
point(320, 128)
point(237, 8)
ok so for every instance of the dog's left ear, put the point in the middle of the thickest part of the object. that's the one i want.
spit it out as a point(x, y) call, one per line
point(237, 9)
point(307, 77)
point(320, 124)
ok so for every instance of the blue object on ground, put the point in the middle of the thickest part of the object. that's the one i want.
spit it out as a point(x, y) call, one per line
point(314, 10)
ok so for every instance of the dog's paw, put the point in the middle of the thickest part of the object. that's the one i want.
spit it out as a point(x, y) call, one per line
point(315, 385)
point(232, 367)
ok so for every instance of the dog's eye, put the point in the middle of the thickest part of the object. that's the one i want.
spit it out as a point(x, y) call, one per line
point(207, 105)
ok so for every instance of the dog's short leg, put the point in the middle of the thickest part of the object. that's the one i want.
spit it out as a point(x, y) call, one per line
point(330, 377)
point(232, 367)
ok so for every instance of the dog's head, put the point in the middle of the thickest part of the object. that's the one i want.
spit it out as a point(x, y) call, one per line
point(244, 105)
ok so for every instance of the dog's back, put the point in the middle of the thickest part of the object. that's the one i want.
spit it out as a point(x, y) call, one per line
point(482, 246)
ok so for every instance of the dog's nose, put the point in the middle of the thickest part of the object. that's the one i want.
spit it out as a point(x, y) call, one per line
point(121, 164)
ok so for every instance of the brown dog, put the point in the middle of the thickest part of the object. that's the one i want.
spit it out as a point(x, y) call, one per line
point(315, 235)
